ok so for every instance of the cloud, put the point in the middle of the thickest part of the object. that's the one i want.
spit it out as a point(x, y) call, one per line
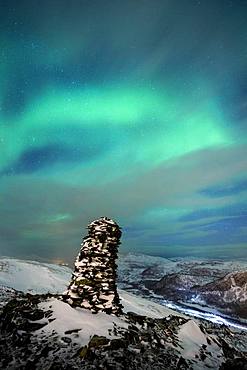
point(154, 207)
point(224, 190)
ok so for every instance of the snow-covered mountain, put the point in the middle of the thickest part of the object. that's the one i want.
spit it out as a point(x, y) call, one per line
point(229, 292)
point(134, 268)
point(40, 331)
point(220, 285)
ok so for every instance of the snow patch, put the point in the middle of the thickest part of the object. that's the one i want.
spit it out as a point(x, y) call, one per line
point(195, 344)
point(81, 321)
point(144, 307)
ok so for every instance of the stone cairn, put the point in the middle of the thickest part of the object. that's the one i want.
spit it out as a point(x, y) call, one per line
point(93, 284)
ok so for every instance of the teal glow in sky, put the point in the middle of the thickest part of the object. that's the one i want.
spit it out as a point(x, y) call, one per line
point(135, 110)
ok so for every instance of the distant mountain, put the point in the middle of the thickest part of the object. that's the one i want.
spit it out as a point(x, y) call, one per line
point(229, 293)
point(176, 286)
point(216, 285)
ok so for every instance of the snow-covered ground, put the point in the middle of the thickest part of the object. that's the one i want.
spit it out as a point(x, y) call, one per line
point(41, 277)
point(80, 325)
point(81, 321)
point(33, 277)
point(36, 277)
point(84, 323)
point(76, 327)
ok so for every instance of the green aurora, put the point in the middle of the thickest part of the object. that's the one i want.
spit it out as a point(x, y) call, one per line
point(136, 111)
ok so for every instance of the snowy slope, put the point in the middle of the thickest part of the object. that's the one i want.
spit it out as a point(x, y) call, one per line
point(34, 277)
point(69, 337)
point(185, 338)
point(66, 319)
point(131, 267)
point(81, 325)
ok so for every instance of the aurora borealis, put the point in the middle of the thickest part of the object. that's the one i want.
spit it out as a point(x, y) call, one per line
point(135, 110)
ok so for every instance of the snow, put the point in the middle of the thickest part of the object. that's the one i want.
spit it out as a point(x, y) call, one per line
point(235, 293)
point(208, 314)
point(68, 318)
point(144, 307)
point(191, 334)
point(192, 340)
point(6, 294)
point(80, 324)
point(86, 324)
point(132, 265)
point(34, 277)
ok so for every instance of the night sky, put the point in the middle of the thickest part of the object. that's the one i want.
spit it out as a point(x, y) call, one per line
point(135, 110)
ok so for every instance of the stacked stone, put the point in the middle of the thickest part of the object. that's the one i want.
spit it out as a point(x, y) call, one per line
point(93, 283)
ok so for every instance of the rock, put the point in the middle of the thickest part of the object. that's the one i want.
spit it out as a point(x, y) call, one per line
point(83, 352)
point(174, 285)
point(182, 364)
point(98, 341)
point(66, 339)
point(71, 331)
point(118, 343)
point(234, 364)
point(93, 284)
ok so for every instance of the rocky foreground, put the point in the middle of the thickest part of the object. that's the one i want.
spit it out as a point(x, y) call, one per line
point(42, 332)
point(39, 331)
